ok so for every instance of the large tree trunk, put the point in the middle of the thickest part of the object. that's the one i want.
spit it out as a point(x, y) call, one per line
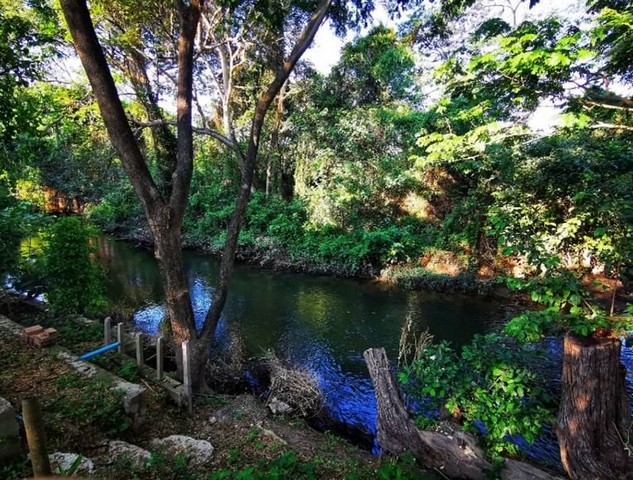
point(594, 417)
point(165, 212)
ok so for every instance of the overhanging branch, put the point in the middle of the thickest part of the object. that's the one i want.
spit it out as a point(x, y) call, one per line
point(203, 131)
point(611, 126)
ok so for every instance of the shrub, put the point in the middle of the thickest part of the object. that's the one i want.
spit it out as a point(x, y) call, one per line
point(74, 280)
point(489, 387)
point(116, 208)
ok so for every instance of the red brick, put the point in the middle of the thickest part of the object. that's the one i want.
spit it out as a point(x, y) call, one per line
point(34, 330)
point(43, 340)
point(52, 333)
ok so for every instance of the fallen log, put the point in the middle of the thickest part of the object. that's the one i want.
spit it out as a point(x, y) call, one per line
point(455, 455)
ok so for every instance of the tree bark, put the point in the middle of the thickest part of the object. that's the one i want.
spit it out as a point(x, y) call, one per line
point(165, 211)
point(594, 418)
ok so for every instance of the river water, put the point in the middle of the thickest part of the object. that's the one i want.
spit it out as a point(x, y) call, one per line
point(323, 325)
point(319, 323)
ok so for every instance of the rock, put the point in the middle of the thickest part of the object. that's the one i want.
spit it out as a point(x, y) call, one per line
point(213, 420)
point(264, 432)
point(244, 408)
point(82, 367)
point(123, 451)
point(198, 452)
point(8, 423)
point(134, 397)
point(9, 439)
point(62, 462)
point(278, 407)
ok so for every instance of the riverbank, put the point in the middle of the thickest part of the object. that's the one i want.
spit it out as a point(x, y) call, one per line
point(442, 273)
point(437, 271)
point(247, 440)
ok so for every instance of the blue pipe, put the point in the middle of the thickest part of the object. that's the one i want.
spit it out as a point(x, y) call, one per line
point(99, 351)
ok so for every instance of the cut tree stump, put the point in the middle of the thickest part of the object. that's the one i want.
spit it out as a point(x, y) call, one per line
point(455, 455)
point(594, 419)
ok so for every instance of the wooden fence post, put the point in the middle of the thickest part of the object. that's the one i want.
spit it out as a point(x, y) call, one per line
point(186, 362)
point(159, 359)
point(35, 436)
point(107, 331)
point(119, 336)
point(138, 340)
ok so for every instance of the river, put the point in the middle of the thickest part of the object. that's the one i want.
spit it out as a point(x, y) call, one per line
point(319, 323)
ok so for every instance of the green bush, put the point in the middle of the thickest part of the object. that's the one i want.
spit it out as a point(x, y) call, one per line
point(74, 281)
point(489, 387)
point(116, 208)
point(87, 402)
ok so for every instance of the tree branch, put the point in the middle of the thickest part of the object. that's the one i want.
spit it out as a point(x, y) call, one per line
point(261, 108)
point(203, 131)
point(609, 106)
point(98, 72)
point(611, 126)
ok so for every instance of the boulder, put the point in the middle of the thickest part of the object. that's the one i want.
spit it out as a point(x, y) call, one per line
point(123, 451)
point(62, 462)
point(198, 452)
point(9, 439)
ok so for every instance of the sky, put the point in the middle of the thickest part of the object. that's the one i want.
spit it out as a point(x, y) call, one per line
point(326, 47)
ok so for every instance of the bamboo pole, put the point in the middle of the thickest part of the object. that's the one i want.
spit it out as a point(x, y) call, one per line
point(34, 427)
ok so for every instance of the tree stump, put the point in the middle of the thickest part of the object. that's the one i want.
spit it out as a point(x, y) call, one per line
point(594, 418)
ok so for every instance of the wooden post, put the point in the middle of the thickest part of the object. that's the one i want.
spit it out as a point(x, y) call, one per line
point(34, 427)
point(186, 363)
point(119, 336)
point(139, 350)
point(107, 331)
point(159, 359)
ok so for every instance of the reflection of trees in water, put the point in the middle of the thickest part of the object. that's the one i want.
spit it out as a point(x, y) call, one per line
point(133, 278)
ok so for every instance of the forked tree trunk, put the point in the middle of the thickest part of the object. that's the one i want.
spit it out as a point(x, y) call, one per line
point(594, 418)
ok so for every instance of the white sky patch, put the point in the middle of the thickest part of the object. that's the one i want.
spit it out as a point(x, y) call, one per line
point(544, 118)
point(326, 48)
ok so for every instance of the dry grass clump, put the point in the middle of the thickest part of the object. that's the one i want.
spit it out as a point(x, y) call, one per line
point(293, 386)
point(226, 366)
point(412, 344)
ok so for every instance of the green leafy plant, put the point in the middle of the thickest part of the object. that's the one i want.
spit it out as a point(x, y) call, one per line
point(129, 371)
point(74, 281)
point(89, 402)
point(489, 387)
point(71, 469)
